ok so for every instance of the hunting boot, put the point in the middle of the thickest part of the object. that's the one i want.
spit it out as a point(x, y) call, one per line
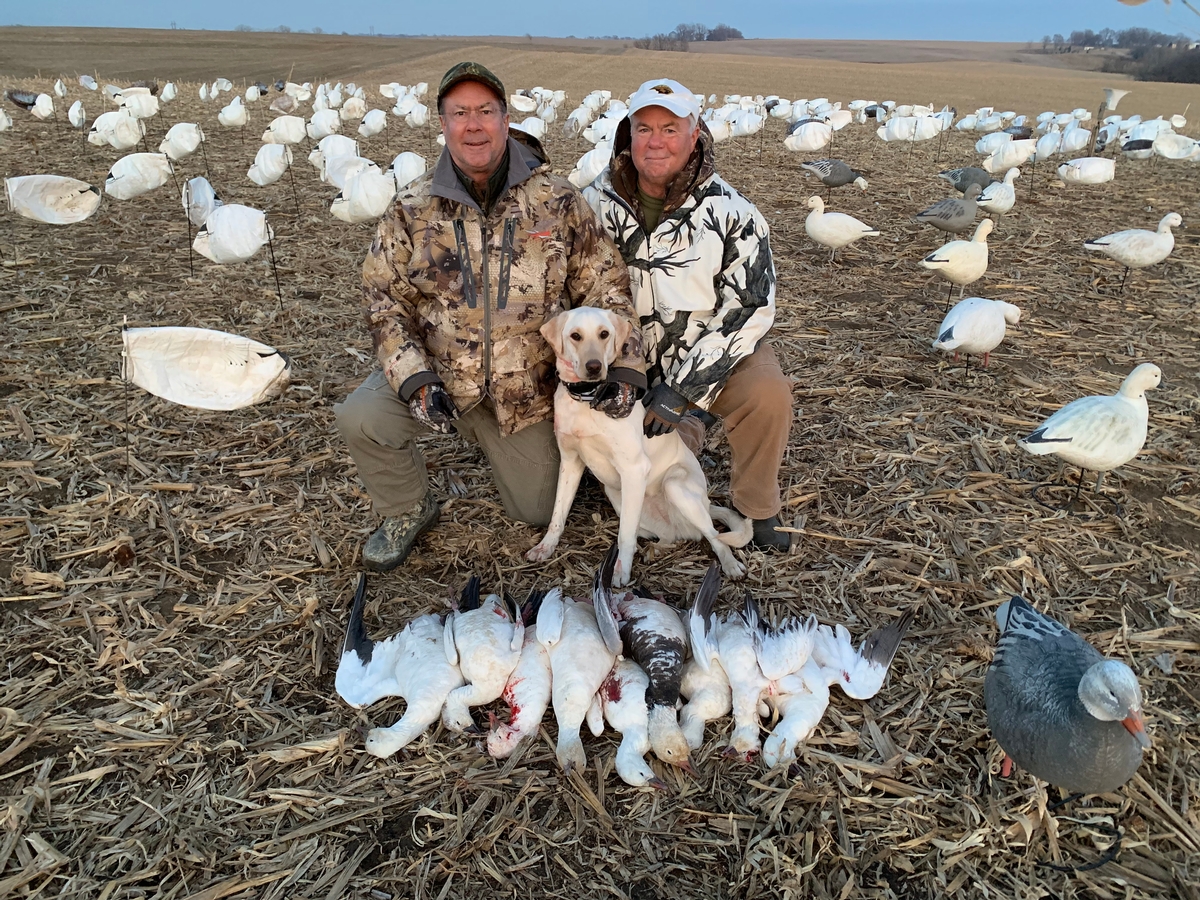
point(767, 538)
point(394, 539)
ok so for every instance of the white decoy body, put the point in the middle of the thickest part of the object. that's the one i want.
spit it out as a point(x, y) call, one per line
point(232, 233)
point(373, 122)
point(976, 326)
point(199, 200)
point(366, 196)
point(1138, 248)
point(834, 230)
point(235, 115)
point(76, 115)
point(484, 641)
point(135, 174)
point(623, 699)
point(181, 140)
point(411, 665)
point(285, 130)
point(406, 168)
point(1099, 432)
point(579, 663)
point(1001, 196)
point(52, 199)
point(1088, 170)
point(527, 694)
point(962, 262)
point(201, 368)
point(270, 163)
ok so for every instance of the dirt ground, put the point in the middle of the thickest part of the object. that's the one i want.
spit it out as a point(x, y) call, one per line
point(174, 584)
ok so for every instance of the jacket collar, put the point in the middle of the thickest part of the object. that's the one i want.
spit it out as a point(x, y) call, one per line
point(525, 156)
point(701, 166)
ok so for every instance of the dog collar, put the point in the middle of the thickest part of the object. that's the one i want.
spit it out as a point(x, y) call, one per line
point(583, 390)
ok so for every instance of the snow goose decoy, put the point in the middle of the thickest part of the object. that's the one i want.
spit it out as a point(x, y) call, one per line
point(961, 262)
point(623, 697)
point(1138, 248)
point(580, 660)
point(834, 230)
point(1059, 709)
point(999, 198)
point(976, 326)
point(1099, 432)
point(484, 639)
point(527, 692)
point(835, 173)
point(962, 178)
point(135, 174)
point(411, 665)
point(53, 199)
point(652, 635)
point(952, 215)
point(1087, 170)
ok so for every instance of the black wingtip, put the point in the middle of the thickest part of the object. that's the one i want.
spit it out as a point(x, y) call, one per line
point(356, 631)
point(1039, 437)
point(881, 646)
point(604, 575)
point(529, 609)
point(750, 615)
point(706, 596)
point(947, 335)
point(469, 599)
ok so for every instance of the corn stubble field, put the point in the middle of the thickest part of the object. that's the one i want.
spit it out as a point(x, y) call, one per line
point(176, 583)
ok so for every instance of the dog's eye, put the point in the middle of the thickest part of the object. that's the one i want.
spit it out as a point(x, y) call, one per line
point(576, 336)
point(604, 335)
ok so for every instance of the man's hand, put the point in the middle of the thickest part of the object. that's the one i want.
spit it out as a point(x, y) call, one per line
point(665, 406)
point(615, 399)
point(433, 408)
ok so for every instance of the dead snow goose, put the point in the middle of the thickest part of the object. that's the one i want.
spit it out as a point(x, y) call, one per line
point(484, 639)
point(1058, 708)
point(623, 699)
point(527, 692)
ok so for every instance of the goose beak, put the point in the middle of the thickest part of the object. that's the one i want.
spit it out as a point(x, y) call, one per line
point(658, 784)
point(688, 767)
point(1136, 725)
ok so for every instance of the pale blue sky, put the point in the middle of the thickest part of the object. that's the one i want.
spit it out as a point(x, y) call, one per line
point(1014, 20)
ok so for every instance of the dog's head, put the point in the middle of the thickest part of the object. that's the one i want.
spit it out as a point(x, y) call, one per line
point(586, 341)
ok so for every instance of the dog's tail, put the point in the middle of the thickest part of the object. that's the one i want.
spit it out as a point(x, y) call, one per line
point(740, 530)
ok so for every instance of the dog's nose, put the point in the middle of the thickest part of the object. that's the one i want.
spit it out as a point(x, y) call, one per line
point(593, 366)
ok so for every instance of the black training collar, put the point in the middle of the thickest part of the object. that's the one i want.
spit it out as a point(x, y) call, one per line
point(583, 390)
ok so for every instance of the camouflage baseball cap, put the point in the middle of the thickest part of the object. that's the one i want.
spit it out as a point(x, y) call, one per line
point(470, 71)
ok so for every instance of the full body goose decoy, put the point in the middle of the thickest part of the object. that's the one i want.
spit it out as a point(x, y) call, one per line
point(1138, 248)
point(527, 692)
point(834, 230)
point(411, 665)
point(1000, 197)
point(1099, 432)
point(952, 215)
point(976, 326)
point(962, 178)
point(835, 173)
point(579, 662)
point(1059, 709)
point(961, 262)
point(651, 634)
point(484, 640)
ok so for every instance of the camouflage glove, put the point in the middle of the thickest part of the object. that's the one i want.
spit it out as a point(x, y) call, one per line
point(432, 407)
point(616, 398)
point(665, 406)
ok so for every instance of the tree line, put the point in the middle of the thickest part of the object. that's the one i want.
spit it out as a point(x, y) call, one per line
point(685, 34)
point(1126, 39)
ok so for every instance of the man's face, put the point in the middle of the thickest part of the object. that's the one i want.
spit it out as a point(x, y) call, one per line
point(662, 143)
point(476, 129)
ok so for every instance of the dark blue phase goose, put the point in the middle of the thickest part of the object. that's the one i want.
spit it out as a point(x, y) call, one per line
point(1058, 708)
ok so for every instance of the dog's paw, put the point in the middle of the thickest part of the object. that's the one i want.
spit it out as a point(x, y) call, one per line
point(622, 572)
point(541, 552)
point(734, 569)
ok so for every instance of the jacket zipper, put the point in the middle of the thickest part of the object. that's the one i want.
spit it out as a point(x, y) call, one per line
point(485, 240)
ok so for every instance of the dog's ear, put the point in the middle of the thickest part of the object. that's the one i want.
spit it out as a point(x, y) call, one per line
point(621, 327)
point(552, 332)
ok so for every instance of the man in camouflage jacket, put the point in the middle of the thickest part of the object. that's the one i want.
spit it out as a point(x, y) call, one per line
point(703, 282)
point(467, 265)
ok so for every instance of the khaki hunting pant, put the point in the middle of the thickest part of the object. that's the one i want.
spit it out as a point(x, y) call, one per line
point(381, 434)
point(756, 408)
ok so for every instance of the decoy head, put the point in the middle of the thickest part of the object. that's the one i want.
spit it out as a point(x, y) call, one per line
point(816, 203)
point(1109, 691)
point(973, 191)
point(1012, 314)
point(1170, 220)
point(1143, 378)
point(860, 183)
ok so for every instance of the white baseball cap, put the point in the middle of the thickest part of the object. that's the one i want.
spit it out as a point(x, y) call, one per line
point(670, 95)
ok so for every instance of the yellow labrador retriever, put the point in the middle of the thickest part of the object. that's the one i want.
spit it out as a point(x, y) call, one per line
point(655, 484)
